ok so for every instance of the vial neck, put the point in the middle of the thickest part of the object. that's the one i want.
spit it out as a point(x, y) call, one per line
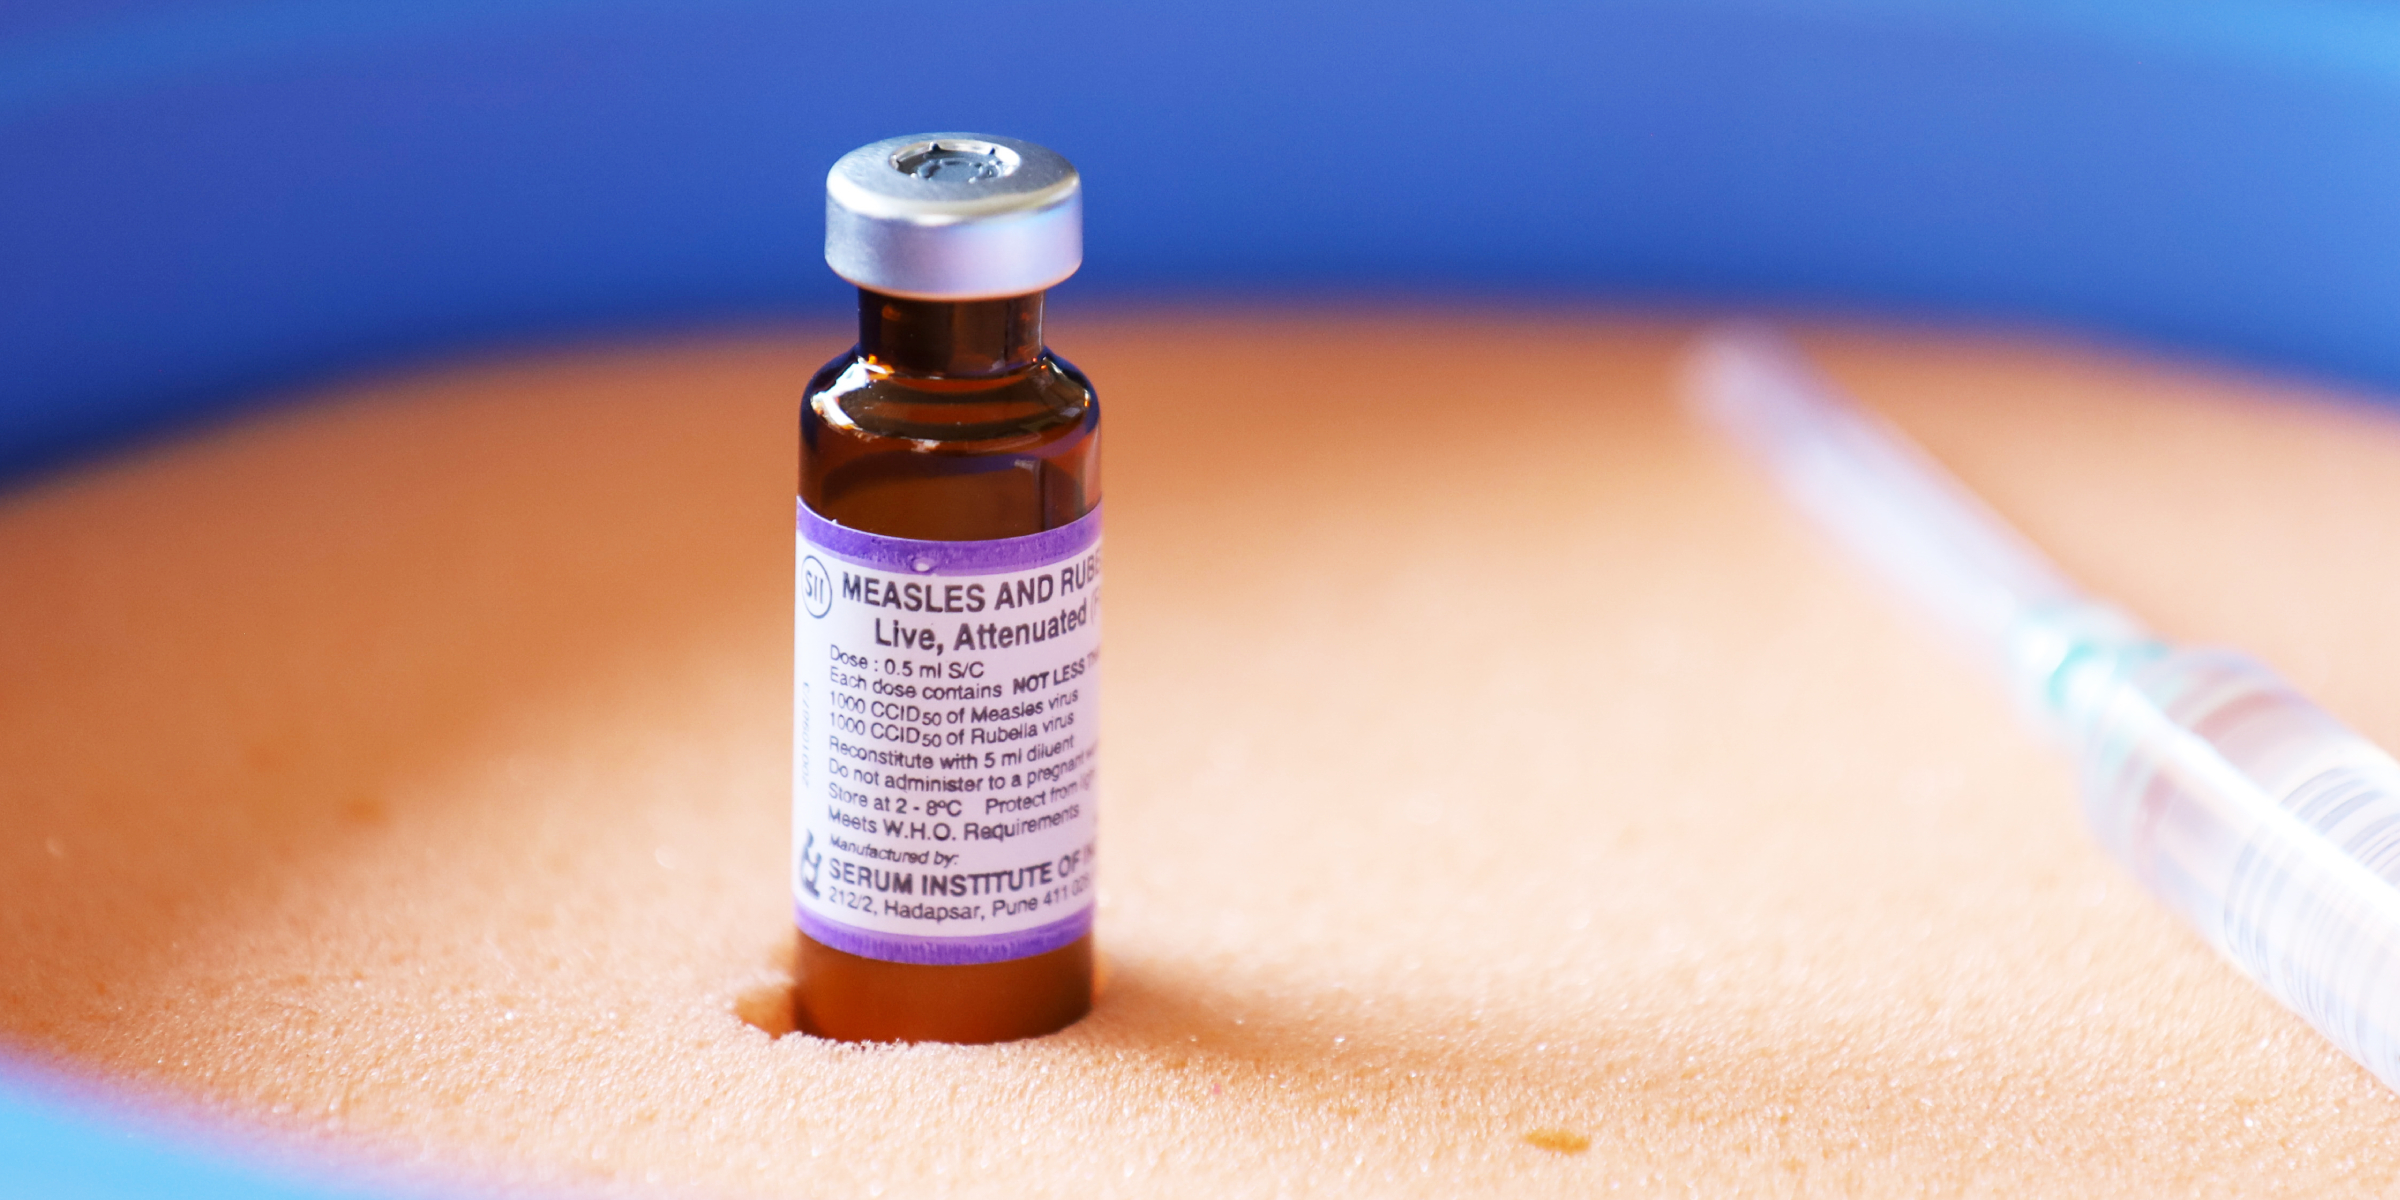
point(950, 338)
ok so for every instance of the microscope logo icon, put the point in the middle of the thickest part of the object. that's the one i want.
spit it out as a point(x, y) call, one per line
point(812, 861)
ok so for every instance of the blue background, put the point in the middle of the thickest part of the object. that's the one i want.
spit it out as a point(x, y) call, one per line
point(204, 199)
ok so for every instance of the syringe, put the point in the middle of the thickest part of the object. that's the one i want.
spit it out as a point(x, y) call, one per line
point(2268, 825)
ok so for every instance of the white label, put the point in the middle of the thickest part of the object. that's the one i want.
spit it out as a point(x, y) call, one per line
point(945, 742)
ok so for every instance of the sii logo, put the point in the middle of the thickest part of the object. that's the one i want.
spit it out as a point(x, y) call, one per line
point(816, 587)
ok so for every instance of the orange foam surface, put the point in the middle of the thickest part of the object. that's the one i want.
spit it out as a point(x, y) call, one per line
point(1502, 792)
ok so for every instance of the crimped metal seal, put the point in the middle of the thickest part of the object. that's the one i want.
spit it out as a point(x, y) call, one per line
point(953, 216)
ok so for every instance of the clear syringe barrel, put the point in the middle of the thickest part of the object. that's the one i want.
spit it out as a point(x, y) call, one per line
point(2269, 826)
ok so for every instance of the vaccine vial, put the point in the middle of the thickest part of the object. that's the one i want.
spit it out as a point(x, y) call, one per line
point(948, 609)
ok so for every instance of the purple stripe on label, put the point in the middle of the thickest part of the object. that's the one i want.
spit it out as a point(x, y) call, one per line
point(945, 951)
point(908, 556)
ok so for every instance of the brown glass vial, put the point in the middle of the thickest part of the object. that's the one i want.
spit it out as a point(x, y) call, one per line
point(947, 609)
point(950, 421)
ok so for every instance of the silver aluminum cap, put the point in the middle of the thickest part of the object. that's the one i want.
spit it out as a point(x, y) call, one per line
point(953, 216)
